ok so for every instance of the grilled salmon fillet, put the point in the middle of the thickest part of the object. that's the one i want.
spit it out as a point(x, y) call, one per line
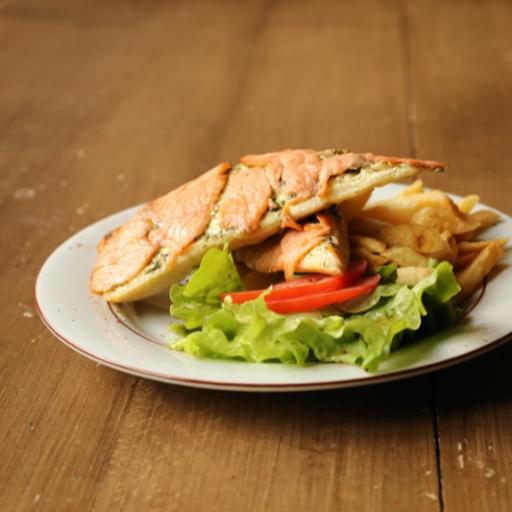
point(240, 206)
point(320, 247)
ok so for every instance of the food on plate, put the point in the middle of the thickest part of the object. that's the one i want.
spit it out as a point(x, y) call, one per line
point(325, 289)
point(321, 246)
point(172, 222)
point(431, 209)
point(285, 260)
point(376, 314)
point(239, 205)
point(470, 276)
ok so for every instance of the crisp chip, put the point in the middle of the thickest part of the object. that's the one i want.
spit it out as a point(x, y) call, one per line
point(470, 278)
point(413, 188)
point(405, 257)
point(368, 243)
point(412, 275)
point(467, 203)
point(374, 260)
point(351, 207)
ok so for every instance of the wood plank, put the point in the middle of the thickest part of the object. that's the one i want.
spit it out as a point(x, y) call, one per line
point(475, 414)
point(313, 81)
point(101, 108)
point(364, 449)
point(310, 80)
point(462, 94)
point(462, 84)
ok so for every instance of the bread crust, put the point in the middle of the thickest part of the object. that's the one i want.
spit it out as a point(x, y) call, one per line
point(157, 276)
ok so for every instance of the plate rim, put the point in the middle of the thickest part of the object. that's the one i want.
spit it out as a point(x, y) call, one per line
point(253, 387)
point(274, 387)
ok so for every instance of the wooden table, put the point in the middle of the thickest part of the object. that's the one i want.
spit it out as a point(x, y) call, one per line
point(106, 104)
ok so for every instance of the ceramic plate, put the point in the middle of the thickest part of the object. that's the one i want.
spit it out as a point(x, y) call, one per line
point(133, 338)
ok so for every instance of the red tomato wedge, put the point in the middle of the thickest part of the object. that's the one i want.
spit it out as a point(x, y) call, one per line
point(308, 285)
point(307, 303)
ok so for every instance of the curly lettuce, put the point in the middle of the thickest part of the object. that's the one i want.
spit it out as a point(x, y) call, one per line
point(251, 332)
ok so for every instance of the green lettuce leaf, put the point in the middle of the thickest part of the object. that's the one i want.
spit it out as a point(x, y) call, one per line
point(199, 298)
point(440, 286)
point(388, 273)
point(251, 332)
point(434, 294)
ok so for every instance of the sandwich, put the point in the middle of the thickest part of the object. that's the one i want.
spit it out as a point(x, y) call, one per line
point(240, 206)
point(279, 258)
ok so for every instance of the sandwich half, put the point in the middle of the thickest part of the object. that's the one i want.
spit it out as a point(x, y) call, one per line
point(238, 206)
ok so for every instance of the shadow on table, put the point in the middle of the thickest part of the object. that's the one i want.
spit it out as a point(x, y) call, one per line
point(483, 381)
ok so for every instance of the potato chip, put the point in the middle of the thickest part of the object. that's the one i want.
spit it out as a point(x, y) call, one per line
point(374, 260)
point(414, 188)
point(443, 219)
point(466, 204)
point(399, 234)
point(463, 260)
point(367, 227)
point(470, 278)
point(368, 243)
point(434, 209)
point(468, 251)
point(405, 257)
point(485, 219)
point(412, 275)
point(351, 207)
point(477, 246)
point(416, 225)
point(400, 208)
point(422, 239)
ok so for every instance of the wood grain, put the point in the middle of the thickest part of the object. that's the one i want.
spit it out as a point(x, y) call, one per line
point(104, 105)
point(260, 453)
point(462, 89)
point(326, 451)
point(461, 92)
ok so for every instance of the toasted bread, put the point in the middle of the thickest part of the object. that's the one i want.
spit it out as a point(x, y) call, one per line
point(166, 268)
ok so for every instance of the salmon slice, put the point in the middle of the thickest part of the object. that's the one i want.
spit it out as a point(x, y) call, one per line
point(431, 165)
point(183, 214)
point(336, 165)
point(123, 253)
point(317, 248)
point(172, 222)
point(255, 203)
point(246, 199)
point(298, 174)
point(292, 173)
point(303, 173)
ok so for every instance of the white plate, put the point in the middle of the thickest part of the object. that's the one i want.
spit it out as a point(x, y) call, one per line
point(132, 338)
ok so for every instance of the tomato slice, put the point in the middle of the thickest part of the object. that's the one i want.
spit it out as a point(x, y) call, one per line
point(307, 303)
point(307, 285)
